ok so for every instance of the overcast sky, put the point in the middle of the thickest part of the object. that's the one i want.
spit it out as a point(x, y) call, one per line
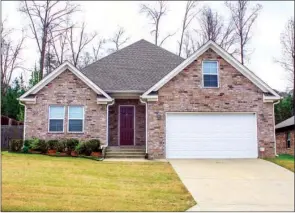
point(104, 17)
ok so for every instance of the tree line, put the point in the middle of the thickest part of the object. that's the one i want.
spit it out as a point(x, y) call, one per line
point(58, 38)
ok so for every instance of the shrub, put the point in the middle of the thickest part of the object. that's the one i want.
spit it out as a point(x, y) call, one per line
point(61, 145)
point(52, 144)
point(25, 149)
point(39, 145)
point(71, 144)
point(15, 145)
point(27, 145)
point(93, 145)
point(81, 148)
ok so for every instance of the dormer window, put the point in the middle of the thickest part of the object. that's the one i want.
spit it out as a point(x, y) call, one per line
point(210, 74)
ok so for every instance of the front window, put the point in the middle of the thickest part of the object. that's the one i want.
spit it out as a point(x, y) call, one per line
point(288, 140)
point(210, 74)
point(76, 118)
point(56, 118)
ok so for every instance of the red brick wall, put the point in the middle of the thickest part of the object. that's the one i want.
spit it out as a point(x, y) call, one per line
point(184, 93)
point(281, 142)
point(139, 121)
point(66, 89)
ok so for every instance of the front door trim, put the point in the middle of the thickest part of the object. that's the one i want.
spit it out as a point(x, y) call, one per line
point(134, 122)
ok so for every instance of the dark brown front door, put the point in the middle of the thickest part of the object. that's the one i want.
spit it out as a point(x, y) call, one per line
point(126, 125)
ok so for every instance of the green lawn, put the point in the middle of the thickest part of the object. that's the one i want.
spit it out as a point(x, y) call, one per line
point(284, 160)
point(44, 183)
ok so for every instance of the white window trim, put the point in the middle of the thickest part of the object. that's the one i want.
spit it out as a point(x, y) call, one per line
point(63, 122)
point(83, 123)
point(218, 84)
point(134, 123)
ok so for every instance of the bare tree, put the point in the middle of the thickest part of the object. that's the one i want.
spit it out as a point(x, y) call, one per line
point(10, 56)
point(213, 27)
point(155, 15)
point(189, 15)
point(243, 19)
point(186, 46)
point(81, 42)
point(59, 45)
point(97, 48)
point(45, 17)
point(94, 55)
point(119, 39)
point(287, 60)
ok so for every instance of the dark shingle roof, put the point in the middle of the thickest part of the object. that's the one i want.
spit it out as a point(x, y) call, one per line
point(136, 67)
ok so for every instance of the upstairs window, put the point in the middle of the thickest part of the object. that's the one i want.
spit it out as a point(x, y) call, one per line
point(288, 140)
point(76, 119)
point(56, 118)
point(210, 74)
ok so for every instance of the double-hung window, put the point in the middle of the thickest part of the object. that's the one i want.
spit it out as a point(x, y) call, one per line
point(56, 118)
point(76, 119)
point(210, 74)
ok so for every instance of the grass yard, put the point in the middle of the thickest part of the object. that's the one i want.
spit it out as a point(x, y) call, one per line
point(44, 183)
point(284, 160)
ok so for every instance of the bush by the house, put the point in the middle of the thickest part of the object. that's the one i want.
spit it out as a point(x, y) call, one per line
point(81, 148)
point(52, 144)
point(93, 145)
point(15, 145)
point(61, 145)
point(71, 144)
point(39, 145)
point(27, 146)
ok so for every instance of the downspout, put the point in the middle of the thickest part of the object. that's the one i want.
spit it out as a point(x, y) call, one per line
point(274, 127)
point(107, 129)
point(25, 115)
point(146, 123)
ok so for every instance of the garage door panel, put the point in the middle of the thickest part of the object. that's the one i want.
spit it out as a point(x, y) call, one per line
point(193, 135)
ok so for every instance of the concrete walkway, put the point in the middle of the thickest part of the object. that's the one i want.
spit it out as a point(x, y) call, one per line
point(237, 185)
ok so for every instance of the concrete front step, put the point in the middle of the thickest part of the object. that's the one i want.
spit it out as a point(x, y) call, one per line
point(124, 156)
point(115, 149)
point(126, 152)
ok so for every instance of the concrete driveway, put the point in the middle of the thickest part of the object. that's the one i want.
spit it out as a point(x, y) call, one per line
point(237, 185)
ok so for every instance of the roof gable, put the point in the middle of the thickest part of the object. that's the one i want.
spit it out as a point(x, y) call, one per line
point(63, 67)
point(134, 68)
point(230, 59)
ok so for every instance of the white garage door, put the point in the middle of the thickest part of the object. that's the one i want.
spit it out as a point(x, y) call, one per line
point(212, 135)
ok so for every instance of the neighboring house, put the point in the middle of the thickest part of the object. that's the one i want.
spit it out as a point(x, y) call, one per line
point(207, 106)
point(285, 136)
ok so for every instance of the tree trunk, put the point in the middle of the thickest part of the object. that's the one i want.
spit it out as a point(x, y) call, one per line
point(242, 54)
point(180, 44)
point(42, 56)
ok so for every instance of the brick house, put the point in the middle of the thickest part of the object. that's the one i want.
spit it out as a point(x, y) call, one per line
point(285, 136)
point(206, 106)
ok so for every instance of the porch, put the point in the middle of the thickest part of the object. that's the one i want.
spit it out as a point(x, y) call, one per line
point(127, 124)
point(126, 129)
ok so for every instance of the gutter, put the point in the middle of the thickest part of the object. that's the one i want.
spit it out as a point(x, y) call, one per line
point(25, 115)
point(146, 127)
point(274, 127)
